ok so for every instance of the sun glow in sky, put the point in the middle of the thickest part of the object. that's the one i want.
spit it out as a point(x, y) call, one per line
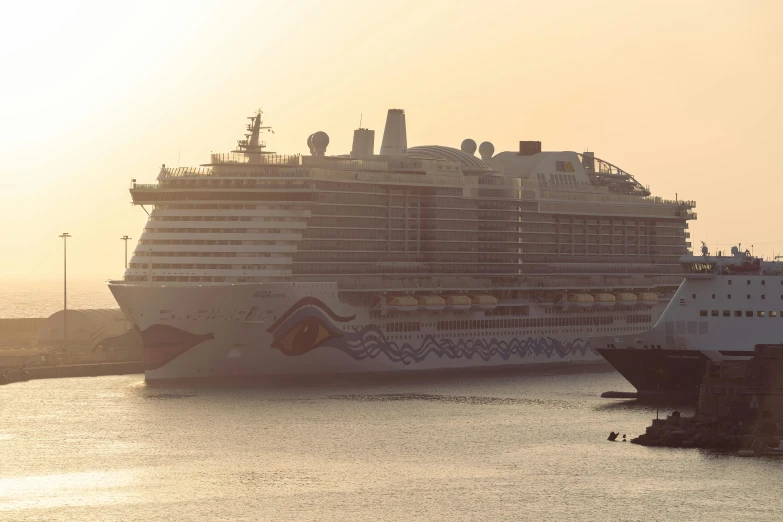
point(684, 94)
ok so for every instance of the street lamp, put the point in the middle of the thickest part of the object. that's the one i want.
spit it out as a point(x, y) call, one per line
point(65, 236)
point(126, 238)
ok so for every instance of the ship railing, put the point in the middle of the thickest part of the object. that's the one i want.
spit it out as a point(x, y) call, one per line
point(231, 158)
point(388, 177)
point(415, 283)
point(557, 190)
point(435, 284)
point(389, 164)
point(590, 195)
point(345, 163)
point(178, 172)
point(145, 186)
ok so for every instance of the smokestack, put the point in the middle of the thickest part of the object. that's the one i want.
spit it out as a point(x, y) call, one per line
point(528, 148)
point(363, 143)
point(395, 137)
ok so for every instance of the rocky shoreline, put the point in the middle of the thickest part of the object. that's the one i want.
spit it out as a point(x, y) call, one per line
point(691, 432)
point(740, 408)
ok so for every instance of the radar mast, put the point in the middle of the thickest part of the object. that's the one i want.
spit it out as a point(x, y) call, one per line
point(251, 144)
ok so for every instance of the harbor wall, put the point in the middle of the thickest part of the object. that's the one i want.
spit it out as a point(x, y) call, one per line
point(744, 389)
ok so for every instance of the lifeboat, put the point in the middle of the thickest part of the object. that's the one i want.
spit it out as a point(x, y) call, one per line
point(625, 299)
point(604, 300)
point(648, 298)
point(581, 300)
point(402, 303)
point(431, 303)
point(458, 303)
point(483, 302)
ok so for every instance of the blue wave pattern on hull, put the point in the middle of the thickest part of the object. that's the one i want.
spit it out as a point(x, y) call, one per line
point(370, 343)
point(310, 325)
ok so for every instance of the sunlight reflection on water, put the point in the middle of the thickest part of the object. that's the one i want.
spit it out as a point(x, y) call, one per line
point(499, 446)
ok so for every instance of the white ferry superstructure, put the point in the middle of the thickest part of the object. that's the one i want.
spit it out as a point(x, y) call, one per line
point(416, 258)
point(726, 305)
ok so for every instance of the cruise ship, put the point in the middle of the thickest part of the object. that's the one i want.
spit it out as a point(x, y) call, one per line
point(726, 305)
point(415, 258)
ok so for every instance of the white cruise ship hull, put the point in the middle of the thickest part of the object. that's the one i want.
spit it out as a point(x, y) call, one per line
point(225, 330)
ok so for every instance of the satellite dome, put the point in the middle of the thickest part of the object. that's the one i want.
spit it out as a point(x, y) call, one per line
point(310, 143)
point(320, 140)
point(468, 146)
point(486, 149)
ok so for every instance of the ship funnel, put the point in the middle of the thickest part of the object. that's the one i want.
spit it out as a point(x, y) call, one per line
point(528, 148)
point(395, 137)
point(363, 143)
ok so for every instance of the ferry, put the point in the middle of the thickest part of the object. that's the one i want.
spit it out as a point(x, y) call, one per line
point(412, 258)
point(727, 304)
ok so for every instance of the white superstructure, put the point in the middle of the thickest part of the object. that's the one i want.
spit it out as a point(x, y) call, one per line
point(418, 258)
point(726, 305)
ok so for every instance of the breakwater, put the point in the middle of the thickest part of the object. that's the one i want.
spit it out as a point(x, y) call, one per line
point(11, 375)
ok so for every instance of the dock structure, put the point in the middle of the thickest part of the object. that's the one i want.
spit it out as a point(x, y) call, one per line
point(98, 342)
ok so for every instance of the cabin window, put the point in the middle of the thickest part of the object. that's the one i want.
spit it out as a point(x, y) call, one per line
point(693, 296)
point(730, 281)
point(727, 313)
point(703, 313)
point(748, 297)
point(729, 296)
point(737, 313)
point(763, 296)
point(713, 296)
point(748, 281)
point(714, 313)
point(763, 282)
point(760, 313)
point(772, 313)
point(748, 313)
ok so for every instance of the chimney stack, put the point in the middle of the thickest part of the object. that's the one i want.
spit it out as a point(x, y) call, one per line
point(528, 148)
point(395, 138)
point(363, 143)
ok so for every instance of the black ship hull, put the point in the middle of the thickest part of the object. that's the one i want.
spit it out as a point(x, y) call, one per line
point(661, 374)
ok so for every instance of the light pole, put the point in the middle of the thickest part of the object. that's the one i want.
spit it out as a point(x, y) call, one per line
point(126, 238)
point(65, 236)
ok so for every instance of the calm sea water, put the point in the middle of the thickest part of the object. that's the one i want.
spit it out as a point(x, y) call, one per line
point(43, 298)
point(502, 446)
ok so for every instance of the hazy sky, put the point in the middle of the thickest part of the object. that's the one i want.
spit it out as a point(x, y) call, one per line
point(685, 95)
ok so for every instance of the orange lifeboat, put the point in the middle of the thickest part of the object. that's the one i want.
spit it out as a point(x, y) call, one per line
point(483, 302)
point(458, 303)
point(431, 303)
point(402, 303)
point(625, 299)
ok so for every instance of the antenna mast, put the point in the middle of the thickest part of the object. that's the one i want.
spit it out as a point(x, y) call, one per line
point(251, 144)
